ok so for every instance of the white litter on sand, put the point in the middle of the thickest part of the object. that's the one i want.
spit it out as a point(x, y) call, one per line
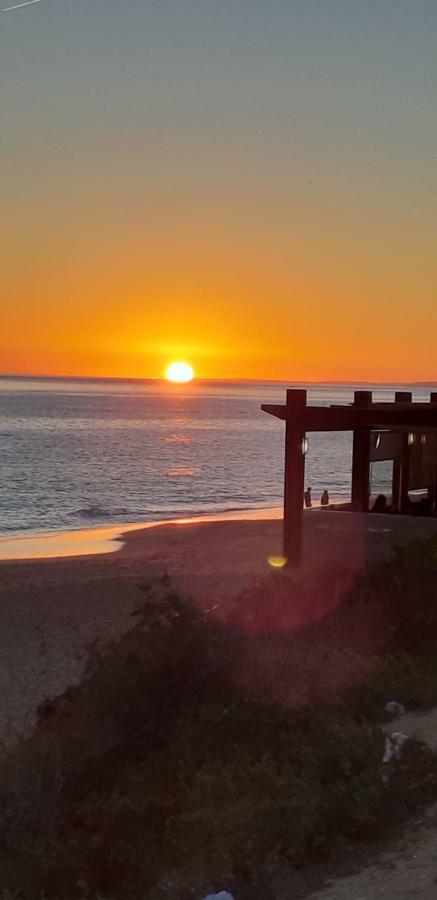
point(223, 895)
point(393, 746)
point(394, 708)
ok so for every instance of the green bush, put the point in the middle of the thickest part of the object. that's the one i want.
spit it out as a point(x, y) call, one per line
point(253, 808)
point(245, 813)
point(421, 551)
point(156, 774)
point(407, 678)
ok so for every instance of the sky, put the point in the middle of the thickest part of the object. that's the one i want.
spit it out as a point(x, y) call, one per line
point(244, 185)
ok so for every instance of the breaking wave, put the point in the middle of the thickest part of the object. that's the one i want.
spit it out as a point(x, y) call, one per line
point(100, 512)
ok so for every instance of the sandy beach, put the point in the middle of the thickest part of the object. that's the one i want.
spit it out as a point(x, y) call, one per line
point(52, 610)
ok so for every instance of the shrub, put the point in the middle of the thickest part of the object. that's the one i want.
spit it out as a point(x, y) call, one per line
point(408, 678)
point(156, 774)
point(293, 794)
point(421, 551)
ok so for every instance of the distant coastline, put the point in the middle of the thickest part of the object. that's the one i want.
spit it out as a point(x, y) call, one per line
point(119, 379)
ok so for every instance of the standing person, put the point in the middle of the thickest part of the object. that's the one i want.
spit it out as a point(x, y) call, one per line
point(324, 500)
point(307, 498)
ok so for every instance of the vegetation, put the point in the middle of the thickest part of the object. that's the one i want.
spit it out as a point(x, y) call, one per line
point(420, 551)
point(406, 678)
point(158, 777)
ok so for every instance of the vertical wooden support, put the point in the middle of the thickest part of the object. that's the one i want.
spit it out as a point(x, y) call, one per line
point(361, 457)
point(401, 466)
point(433, 488)
point(294, 476)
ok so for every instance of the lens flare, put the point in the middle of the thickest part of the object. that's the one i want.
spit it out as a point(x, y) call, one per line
point(277, 562)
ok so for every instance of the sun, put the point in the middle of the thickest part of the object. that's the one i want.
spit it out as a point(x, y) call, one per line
point(179, 372)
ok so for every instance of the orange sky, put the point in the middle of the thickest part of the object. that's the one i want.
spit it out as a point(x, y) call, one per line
point(254, 195)
point(241, 306)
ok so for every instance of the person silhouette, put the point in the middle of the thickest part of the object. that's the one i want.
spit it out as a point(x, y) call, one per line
point(324, 500)
point(380, 504)
point(307, 498)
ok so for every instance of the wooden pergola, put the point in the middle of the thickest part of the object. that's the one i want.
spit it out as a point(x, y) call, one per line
point(362, 418)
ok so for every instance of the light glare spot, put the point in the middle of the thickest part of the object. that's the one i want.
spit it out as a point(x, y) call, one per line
point(277, 562)
point(179, 372)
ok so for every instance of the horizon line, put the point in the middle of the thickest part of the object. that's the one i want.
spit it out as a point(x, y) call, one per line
point(232, 380)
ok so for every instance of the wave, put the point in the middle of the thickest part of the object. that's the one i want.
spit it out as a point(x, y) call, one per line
point(94, 511)
point(164, 512)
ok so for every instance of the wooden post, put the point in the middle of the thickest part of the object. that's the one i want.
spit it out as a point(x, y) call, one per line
point(361, 457)
point(401, 466)
point(433, 497)
point(294, 476)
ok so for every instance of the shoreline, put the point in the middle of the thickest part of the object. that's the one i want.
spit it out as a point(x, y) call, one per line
point(110, 538)
point(101, 540)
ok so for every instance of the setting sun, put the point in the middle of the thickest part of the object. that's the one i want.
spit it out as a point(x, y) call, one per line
point(179, 372)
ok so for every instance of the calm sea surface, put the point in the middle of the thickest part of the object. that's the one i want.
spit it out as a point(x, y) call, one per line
point(80, 453)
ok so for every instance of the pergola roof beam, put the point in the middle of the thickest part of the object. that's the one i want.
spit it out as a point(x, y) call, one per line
point(348, 418)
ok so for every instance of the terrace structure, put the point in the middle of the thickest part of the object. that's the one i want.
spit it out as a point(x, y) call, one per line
point(402, 432)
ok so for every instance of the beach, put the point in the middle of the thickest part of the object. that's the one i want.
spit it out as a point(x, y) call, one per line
point(53, 610)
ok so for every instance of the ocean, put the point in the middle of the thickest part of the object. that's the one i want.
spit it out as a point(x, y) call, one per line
point(81, 453)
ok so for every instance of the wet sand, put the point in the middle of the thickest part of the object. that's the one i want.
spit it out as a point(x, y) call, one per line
point(104, 538)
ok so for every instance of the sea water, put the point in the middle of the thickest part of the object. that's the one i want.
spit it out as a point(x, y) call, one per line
point(76, 453)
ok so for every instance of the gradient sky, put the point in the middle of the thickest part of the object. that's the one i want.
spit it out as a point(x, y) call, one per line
point(249, 186)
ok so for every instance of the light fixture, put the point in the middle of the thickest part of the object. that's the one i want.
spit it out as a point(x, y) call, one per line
point(305, 445)
point(411, 439)
point(423, 439)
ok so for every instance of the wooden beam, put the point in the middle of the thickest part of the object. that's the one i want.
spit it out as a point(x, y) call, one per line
point(275, 409)
point(418, 416)
point(294, 477)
